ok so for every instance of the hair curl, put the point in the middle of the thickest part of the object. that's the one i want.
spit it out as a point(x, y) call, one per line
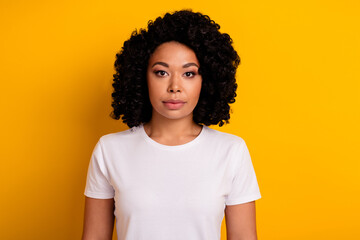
point(218, 63)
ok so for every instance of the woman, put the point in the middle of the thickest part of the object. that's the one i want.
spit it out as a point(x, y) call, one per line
point(170, 176)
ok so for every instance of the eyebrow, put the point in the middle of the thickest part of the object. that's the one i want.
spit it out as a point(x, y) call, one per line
point(190, 64)
point(167, 65)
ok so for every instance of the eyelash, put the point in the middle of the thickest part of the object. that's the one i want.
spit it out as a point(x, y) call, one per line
point(192, 74)
point(158, 73)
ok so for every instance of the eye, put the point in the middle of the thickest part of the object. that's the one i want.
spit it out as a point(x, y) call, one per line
point(189, 74)
point(161, 73)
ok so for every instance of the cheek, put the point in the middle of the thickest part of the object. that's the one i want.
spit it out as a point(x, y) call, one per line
point(152, 93)
point(155, 91)
point(151, 86)
point(196, 89)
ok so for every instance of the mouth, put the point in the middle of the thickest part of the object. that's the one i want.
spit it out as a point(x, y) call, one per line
point(174, 101)
point(174, 104)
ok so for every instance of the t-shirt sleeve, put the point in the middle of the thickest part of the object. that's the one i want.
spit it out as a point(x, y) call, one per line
point(245, 187)
point(97, 181)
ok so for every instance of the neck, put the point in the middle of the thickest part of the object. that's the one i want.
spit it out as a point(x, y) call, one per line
point(160, 127)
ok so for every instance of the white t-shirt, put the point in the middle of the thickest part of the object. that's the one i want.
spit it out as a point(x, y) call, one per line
point(171, 192)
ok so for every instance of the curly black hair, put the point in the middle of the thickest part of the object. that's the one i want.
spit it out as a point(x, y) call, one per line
point(214, 51)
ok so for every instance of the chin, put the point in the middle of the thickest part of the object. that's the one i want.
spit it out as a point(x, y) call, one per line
point(175, 115)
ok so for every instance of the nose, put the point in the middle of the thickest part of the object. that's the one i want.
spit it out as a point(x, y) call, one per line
point(174, 84)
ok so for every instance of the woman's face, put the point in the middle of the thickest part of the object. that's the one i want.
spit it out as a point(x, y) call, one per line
point(173, 81)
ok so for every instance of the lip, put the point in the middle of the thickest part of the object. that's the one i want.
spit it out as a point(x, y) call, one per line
point(174, 104)
point(174, 101)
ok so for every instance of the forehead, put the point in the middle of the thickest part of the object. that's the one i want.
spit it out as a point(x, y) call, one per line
point(173, 53)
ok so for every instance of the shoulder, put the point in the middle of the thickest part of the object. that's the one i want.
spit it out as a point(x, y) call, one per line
point(121, 137)
point(224, 137)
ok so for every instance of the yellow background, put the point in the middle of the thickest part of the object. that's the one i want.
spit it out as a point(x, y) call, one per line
point(298, 108)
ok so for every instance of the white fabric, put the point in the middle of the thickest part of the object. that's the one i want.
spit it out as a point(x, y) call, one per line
point(171, 192)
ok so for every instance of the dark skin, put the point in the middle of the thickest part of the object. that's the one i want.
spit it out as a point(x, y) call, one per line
point(98, 219)
point(241, 221)
point(172, 74)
